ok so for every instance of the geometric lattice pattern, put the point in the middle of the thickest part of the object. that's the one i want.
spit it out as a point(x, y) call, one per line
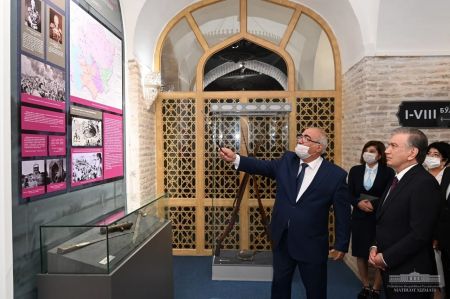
point(257, 236)
point(183, 227)
point(216, 221)
point(179, 147)
point(221, 180)
point(317, 112)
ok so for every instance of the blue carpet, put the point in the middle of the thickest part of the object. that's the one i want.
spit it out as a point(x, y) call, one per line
point(192, 280)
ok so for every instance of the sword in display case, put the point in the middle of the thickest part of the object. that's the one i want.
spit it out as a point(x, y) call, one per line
point(74, 247)
point(120, 227)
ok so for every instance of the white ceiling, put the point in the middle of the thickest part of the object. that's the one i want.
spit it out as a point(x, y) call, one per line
point(362, 27)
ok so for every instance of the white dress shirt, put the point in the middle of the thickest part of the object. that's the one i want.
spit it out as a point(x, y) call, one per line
point(369, 175)
point(310, 173)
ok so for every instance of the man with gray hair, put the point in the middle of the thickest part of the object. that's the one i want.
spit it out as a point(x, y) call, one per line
point(307, 185)
point(406, 217)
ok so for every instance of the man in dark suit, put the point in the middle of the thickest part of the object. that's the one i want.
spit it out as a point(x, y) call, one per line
point(406, 217)
point(443, 229)
point(307, 185)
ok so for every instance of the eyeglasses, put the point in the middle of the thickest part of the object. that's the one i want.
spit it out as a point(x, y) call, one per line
point(306, 138)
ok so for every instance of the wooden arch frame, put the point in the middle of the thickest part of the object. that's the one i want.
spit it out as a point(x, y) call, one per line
point(280, 49)
point(200, 202)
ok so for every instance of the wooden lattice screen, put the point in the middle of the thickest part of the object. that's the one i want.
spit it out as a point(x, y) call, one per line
point(198, 221)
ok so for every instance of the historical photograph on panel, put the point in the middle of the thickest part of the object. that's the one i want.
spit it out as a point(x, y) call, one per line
point(56, 174)
point(86, 132)
point(86, 167)
point(33, 178)
point(56, 37)
point(32, 30)
point(42, 84)
point(33, 15)
point(56, 170)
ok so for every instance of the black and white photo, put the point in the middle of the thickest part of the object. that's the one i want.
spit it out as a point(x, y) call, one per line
point(56, 170)
point(33, 173)
point(42, 80)
point(87, 166)
point(86, 132)
point(33, 17)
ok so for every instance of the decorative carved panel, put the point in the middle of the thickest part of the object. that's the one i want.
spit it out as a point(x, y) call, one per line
point(179, 147)
point(183, 227)
point(257, 237)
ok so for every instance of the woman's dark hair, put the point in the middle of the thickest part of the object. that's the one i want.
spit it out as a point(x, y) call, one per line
point(443, 148)
point(380, 149)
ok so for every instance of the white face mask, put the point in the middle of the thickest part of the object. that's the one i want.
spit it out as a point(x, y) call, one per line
point(302, 151)
point(432, 162)
point(369, 158)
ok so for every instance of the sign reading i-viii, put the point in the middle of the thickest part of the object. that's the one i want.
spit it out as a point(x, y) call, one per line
point(427, 114)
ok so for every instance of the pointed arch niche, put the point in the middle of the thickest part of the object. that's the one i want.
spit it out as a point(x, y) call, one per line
point(201, 188)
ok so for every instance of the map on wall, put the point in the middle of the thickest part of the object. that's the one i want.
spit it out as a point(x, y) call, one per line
point(95, 63)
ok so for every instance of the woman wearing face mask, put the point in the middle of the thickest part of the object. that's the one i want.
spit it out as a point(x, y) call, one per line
point(436, 162)
point(437, 159)
point(367, 183)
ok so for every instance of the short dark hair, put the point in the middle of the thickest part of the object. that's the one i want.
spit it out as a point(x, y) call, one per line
point(416, 139)
point(380, 149)
point(443, 148)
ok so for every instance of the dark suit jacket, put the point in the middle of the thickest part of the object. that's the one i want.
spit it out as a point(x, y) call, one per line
point(443, 231)
point(308, 218)
point(405, 223)
point(356, 186)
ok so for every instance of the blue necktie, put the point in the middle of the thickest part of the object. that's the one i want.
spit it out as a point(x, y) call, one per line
point(300, 176)
point(368, 182)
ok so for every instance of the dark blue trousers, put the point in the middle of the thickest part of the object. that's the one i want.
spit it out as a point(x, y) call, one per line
point(313, 276)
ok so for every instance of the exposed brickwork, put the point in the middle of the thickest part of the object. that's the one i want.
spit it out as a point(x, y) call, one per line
point(373, 90)
point(140, 142)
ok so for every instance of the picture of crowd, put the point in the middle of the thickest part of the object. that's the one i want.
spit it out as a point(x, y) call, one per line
point(32, 176)
point(42, 80)
point(86, 166)
point(86, 132)
point(56, 171)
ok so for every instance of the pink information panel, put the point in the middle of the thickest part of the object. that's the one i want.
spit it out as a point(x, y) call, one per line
point(38, 100)
point(113, 145)
point(87, 165)
point(57, 145)
point(42, 120)
point(34, 145)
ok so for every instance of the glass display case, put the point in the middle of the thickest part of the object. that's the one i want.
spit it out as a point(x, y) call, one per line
point(242, 203)
point(99, 248)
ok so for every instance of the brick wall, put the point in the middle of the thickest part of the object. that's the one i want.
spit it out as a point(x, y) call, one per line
point(373, 90)
point(140, 142)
